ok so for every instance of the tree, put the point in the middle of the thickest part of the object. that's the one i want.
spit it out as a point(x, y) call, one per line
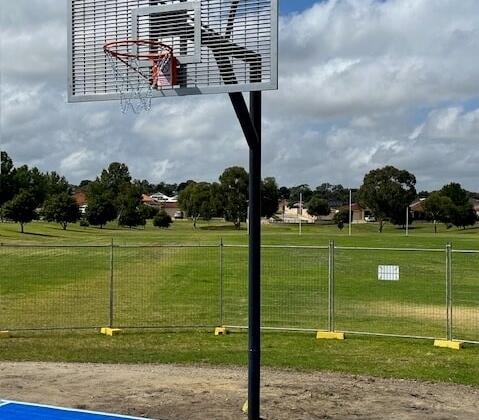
point(195, 201)
point(295, 193)
point(462, 214)
point(269, 197)
point(438, 208)
point(100, 211)
point(284, 193)
point(167, 189)
point(162, 220)
point(144, 186)
point(61, 208)
point(318, 206)
point(148, 212)
point(84, 183)
point(56, 184)
point(128, 204)
point(341, 218)
point(21, 209)
point(456, 193)
point(335, 195)
point(33, 181)
point(234, 183)
point(113, 182)
point(131, 216)
point(183, 185)
point(217, 200)
point(7, 178)
point(115, 176)
point(386, 191)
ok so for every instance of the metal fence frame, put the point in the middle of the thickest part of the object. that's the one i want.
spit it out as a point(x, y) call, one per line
point(449, 285)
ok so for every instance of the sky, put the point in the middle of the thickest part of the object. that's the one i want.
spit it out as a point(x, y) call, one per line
point(362, 84)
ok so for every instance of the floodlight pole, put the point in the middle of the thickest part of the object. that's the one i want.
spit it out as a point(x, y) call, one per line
point(407, 221)
point(350, 227)
point(300, 213)
point(251, 124)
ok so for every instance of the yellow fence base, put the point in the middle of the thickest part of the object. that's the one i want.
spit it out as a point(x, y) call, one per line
point(221, 331)
point(244, 409)
point(4, 334)
point(454, 345)
point(329, 335)
point(110, 331)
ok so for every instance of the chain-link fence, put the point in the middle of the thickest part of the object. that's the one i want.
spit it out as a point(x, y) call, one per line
point(428, 293)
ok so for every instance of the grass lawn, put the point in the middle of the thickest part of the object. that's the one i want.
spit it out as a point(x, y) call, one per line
point(176, 286)
point(390, 358)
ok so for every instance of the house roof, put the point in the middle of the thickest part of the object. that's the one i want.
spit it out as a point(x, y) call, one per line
point(418, 205)
point(146, 199)
point(80, 198)
point(354, 207)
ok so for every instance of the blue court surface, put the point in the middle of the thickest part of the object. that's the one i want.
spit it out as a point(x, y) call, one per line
point(13, 410)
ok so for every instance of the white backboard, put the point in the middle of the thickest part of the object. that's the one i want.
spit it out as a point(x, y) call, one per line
point(220, 45)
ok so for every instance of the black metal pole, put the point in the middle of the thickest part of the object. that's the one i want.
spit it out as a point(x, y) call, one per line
point(254, 331)
point(251, 124)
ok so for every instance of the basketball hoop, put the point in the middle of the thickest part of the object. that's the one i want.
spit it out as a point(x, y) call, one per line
point(139, 67)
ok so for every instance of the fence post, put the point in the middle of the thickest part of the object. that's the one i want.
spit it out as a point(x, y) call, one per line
point(331, 326)
point(449, 291)
point(221, 285)
point(111, 285)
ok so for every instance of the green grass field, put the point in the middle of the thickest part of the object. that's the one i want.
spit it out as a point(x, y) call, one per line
point(158, 287)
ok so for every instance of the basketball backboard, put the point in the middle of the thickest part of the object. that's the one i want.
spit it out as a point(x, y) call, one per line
point(219, 46)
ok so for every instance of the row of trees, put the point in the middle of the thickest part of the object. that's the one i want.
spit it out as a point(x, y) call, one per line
point(450, 205)
point(27, 194)
point(388, 193)
point(23, 190)
point(113, 195)
point(227, 198)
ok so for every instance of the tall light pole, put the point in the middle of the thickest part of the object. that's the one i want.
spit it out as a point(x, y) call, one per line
point(407, 220)
point(300, 212)
point(350, 212)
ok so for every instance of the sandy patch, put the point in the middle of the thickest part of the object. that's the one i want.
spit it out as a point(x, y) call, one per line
point(177, 392)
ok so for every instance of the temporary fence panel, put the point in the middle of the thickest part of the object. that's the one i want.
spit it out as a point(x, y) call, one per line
point(294, 287)
point(465, 295)
point(396, 292)
point(53, 287)
point(170, 286)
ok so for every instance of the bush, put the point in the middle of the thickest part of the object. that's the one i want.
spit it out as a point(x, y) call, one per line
point(84, 223)
point(162, 220)
point(148, 212)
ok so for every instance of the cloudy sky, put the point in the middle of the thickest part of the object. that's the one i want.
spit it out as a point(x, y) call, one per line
point(363, 83)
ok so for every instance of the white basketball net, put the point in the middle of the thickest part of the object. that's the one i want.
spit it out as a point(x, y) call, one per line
point(134, 81)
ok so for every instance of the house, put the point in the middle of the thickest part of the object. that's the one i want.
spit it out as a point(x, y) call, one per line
point(417, 210)
point(172, 209)
point(294, 213)
point(163, 198)
point(359, 213)
point(162, 201)
point(475, 204)
point(81, 199)
point(149, 201)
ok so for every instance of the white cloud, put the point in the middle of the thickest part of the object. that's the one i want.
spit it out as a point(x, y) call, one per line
point(363, 83)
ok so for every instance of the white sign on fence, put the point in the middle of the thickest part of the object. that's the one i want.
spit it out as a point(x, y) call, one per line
point(388, 272)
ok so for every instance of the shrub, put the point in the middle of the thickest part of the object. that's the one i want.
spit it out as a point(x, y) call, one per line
point(162, 220)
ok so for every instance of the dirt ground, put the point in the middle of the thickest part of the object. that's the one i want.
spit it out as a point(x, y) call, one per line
point(178, 392)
